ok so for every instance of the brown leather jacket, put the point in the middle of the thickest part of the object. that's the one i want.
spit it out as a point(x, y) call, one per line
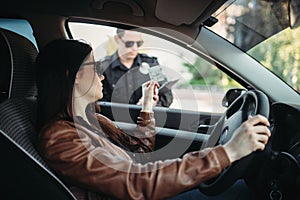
point(98, 159)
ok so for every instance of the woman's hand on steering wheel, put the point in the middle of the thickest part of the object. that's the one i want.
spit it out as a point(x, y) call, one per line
point(252, 135)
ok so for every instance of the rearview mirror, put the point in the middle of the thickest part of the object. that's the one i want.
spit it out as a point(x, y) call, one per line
point(292, 7)
point(294, 13)
point(231, 95)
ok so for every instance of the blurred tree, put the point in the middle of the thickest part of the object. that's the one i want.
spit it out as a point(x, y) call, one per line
point(111, 45)
point(247, 31)
point(207, 74)
point(281, 54)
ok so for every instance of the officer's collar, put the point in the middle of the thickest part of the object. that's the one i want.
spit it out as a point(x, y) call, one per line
point(115, 60)
point(117, 63)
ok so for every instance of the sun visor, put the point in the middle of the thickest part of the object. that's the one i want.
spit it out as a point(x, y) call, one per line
point(194, 11)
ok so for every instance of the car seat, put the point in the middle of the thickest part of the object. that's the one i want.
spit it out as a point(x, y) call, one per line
point(24, 175)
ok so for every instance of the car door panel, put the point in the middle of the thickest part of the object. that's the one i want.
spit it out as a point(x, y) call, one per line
point(187, 126)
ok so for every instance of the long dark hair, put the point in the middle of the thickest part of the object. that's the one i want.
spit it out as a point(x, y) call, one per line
point(57, 65)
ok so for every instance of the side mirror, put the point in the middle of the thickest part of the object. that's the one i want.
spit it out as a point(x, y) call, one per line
point(293, 11)
point(231, 95)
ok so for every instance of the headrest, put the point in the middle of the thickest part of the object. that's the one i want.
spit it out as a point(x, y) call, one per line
point(17, 77)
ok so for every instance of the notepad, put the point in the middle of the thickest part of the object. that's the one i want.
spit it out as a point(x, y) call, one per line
point(168, 84)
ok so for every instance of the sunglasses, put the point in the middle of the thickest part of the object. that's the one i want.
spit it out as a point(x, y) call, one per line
point(129, 44)
point(97, 68)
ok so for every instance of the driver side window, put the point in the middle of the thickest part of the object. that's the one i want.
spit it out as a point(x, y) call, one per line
point(198, 85)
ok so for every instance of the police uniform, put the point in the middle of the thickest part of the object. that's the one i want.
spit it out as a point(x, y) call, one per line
point(123, 85)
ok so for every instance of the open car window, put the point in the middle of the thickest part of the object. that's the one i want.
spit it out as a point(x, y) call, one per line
point(200, 86)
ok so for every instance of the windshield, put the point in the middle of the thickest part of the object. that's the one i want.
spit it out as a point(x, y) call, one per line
point(268, 31)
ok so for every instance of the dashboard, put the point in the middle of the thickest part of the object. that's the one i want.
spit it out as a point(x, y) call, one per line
point(278, 173)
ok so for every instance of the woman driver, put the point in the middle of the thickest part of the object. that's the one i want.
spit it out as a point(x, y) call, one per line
point(87, 150)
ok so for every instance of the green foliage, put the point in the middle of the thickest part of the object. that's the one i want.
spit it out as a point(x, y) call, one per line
point(281, 54)
point(205, 73)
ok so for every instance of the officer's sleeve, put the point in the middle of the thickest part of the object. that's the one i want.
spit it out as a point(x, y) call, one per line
point(165, 97)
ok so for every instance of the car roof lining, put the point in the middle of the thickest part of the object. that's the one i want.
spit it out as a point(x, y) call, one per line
point(142, 13)
point(195, 11)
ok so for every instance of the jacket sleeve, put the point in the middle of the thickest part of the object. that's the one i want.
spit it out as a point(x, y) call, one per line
point(107, 171)
point(143, 138)
point(145, 131)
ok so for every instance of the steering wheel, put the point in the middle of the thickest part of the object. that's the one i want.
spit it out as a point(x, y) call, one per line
point(248, 104)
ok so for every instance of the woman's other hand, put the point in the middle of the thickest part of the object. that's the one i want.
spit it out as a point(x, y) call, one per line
point(150, 95)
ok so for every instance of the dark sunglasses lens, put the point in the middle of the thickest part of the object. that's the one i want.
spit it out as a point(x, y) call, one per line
point(139, 43)
point(129, 44)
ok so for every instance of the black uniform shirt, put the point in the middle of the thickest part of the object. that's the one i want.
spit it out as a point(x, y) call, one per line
point(123, 85)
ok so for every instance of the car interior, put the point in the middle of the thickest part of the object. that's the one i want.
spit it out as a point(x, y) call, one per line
point(17, 125)
point(24, 174)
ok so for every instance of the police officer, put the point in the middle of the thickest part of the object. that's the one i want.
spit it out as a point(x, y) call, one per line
point(126, 70)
